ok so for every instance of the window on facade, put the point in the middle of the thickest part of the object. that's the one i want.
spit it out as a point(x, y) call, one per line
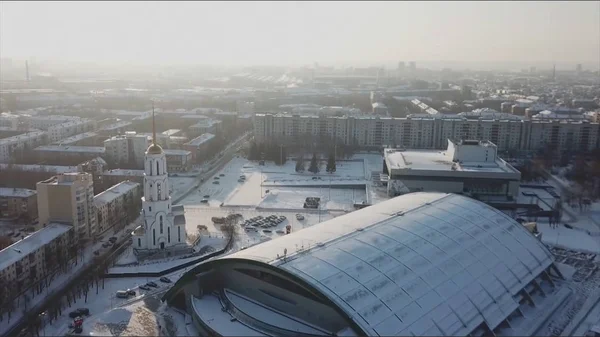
point(157, 170)
point(161, 225)
point(178, 234)
point(159, 190)
point(149, 208)
point(169, 234)
point(154, 236)
point(139, 242)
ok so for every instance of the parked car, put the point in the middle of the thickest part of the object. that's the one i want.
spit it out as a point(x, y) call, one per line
point(216, 182)
point(204, 201)
point(122, 294)
point(299, 217)
point(130, 292)
point(74, 314)
point(206, 196)
point(78, 330)
point(113, 239)
point(267, 231)
point(144, 287)
point(165, 279)
point(221, 175)
point(83, 311)
point(152, 284)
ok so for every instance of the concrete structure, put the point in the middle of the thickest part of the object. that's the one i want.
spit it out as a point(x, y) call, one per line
point(11, 146)
point(18, 202)
point(68, 198)
point(128, 148)
point(114, 205)
point(178, 160)
point(82, 139)
point(426, 131)
point(466, 167)
point(27, 261)
point(424, 264)
point(199, 145)
point(164, 224)
point(115, 176)
point(204, 126)
point(54, 153)
point(380, 109)
point(70, 128)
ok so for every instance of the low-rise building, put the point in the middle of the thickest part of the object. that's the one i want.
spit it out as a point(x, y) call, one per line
point(116, 206)
point(18, 202)
point(466, 167)
point(115, 176)
point(204, 126)
point(178, 160)
point(56, 153)
point(26, 262)
point(82, 139)
point(70, 128)
point(199, 146)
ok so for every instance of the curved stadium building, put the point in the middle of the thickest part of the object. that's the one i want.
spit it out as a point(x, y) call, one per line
point(418, 264)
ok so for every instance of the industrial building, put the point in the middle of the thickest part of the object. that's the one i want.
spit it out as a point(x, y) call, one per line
point(423, 264)
point(466, 167)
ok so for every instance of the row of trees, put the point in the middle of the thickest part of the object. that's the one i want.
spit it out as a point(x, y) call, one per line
point(314, 166)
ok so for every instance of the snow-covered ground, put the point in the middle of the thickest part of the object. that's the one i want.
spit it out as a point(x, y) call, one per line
point(105, 307)
point(181, 185)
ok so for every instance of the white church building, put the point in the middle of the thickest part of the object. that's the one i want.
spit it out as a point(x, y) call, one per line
point(164, 224)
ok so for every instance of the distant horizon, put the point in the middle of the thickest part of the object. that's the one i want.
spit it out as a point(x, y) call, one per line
point(300, 33)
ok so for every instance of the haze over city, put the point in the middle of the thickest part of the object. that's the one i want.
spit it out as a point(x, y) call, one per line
point(492, 34)
point(300, 168)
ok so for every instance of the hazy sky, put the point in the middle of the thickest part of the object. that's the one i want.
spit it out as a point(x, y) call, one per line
point(240, 33)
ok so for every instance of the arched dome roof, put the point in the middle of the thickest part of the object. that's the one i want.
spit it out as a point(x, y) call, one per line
point(154, 149)
point(421, 263)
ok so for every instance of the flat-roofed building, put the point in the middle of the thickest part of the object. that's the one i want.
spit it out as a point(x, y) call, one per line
point(115, 176)
point(115, 206)
point(73, 153)
point(18, 202)
point(126, 149)
point(199, 146)
point(178, 160)
point(466, 167)
point(26, 262)
point(204, 126)
point(68, 198)
point(15, 145)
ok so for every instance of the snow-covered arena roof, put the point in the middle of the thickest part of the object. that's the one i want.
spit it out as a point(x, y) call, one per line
point(422, 264)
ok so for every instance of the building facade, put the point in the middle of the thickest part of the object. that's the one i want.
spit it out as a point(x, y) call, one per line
point(68, 198)
point(28, 261)
point(115, 206)
point(178, 160)
point(18, 202)
point(128, 148)
point(199, 146)
point(12, 146)
point(466, 167)
point(425, 131)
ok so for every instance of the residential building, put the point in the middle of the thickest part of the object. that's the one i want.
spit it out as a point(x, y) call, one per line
point(70, 128)
point(11, 146)
point(178, 160)
point(128, 148)
point(116, 205)
point(73, 153)
point(81, 139)
point(69, 198)
point(115, 176)
point(427, 131)
point(18, 203)
point(205, 126)
point(199, 146)
point(26, 262)
point(466, 167)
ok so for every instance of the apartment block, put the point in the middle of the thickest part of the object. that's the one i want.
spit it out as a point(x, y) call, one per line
point(68, 198)
point(23, 142)
point(128, 148)
point(178, 160)
point(18, 202)
point(113, 205)
point(28, 261)
point(426, 131)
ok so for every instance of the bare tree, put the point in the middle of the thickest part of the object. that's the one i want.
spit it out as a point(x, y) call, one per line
point(230, 230)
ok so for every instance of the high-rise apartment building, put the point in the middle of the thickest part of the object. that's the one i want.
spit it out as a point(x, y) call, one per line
point(68, 198)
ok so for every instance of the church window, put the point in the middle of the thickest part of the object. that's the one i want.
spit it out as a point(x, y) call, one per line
point(150, 168)
point(178, 233)
point(161, 225)
point(154, 236)
point(139, 242)
point(159, 190)
point(149, 208)
point(157, 170)
point(169, 234)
